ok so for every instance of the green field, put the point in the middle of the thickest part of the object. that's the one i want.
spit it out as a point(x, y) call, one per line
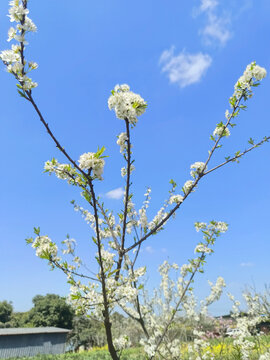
point(220, 350)
point(130, 354)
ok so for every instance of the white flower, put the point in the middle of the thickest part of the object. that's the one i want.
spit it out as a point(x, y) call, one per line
point(259, 72)
point(70, 244)
point(200, 225)
point(221, 226)
point(45, 248)
point(124, 170)
point(107, 258)
point(17, 11)
point(122, 142)
point(187, 186)
point(196, 168)
point(201, 248)
point(216, 291)
point(246, 80)
point(143, 218)
point(127, 105)
point(16, 68)
point(221, 131)
point(33, 65)
point(89, 161)
point(158, 218)
point(21, 39)
point(122, 343)
point(9, 56)
point(29, 25)
point(11, 33)
point(176, 199)
point(227, 114)
point(265, 356)
point(27, 83)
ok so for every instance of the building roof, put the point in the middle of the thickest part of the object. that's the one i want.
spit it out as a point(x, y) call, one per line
point(38, 330)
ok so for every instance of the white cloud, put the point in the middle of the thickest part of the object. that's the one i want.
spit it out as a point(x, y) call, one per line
point(149, 249)
point(115, 193)
point(246, 264)
point(208, 4)
point(217, 26)
point(216, 29)
point(184, 69)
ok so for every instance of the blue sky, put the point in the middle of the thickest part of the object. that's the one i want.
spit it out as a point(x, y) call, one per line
point(183, 58)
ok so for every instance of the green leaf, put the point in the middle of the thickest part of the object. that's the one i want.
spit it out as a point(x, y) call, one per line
point(29, 240)
point(22, 94)
point(100, 152)
point(37, 231)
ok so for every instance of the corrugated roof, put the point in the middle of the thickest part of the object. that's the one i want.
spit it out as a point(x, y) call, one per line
point(39, 330)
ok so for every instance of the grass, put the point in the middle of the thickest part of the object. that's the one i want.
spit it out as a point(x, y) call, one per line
point(221, 351)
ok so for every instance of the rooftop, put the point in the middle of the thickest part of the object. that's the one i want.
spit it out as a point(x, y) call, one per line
point(38, 330)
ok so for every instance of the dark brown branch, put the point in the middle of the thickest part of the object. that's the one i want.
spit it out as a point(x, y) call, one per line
point(121, 252)
point(238, 156)
point(106, 312)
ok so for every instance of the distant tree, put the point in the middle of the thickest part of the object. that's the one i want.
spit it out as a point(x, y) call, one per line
point(51, 310)
point(20, 319)
point(86, 332)
point(6, 310)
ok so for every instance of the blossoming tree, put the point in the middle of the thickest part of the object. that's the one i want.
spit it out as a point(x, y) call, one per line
point(118, 240)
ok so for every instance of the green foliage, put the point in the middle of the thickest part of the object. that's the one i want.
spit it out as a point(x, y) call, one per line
point(87, 333)
point(6, 310)
point(130, 354)
point(51, 310)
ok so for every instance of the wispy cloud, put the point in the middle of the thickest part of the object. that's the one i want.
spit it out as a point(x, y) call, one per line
point(246, 264)
point(149, 249)
point(115, 193)
point(217, 25)
point(184, 69)
point(208, 4)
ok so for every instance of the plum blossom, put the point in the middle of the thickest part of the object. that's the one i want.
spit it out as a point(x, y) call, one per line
point(188, 186)
point(221, 131)
point(122, 142)
point(127, 105)
point(197, 168)
point(89, 161)
point(45, 248)
point(14, 59)
point(176, 199)
point(244, 83)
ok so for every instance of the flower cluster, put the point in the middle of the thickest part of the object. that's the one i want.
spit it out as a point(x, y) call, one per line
point(127, 105)
point(62, 171)
point(246, 81)
point(221, 131)
point(45, 248)
point(90, 161)
point(197, 168)
point(214, 226)
point(122, 142)
point(176, 199)
point(122, 342)
point(188, 186)
point(70, 247)
point(14, 58)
